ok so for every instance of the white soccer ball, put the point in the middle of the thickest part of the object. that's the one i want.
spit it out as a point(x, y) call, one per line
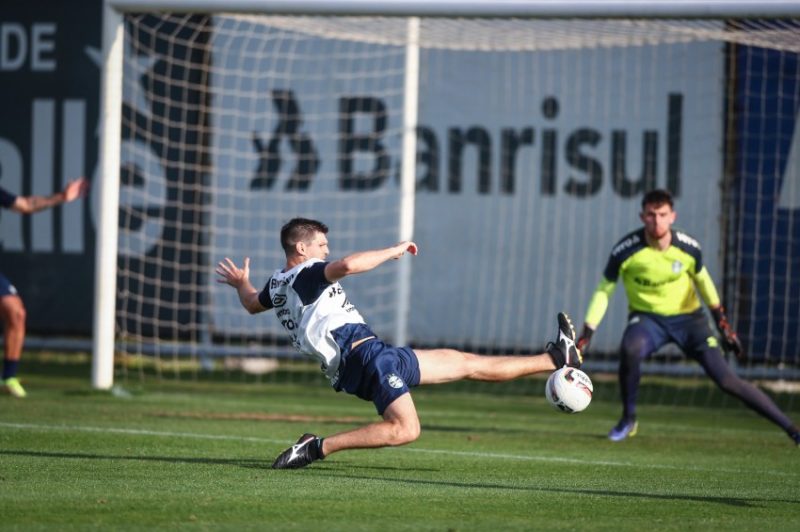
point(569, 390)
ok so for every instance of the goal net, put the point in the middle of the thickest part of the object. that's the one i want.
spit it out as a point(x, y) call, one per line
point(534, 141)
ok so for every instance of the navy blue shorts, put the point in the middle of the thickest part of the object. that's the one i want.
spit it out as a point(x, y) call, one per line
point(6, 288)
point(378, 372)
point(690, 332)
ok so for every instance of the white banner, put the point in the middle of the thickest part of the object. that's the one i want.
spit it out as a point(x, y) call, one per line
point(532, 165)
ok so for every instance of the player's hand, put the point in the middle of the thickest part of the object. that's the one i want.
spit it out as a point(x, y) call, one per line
point(730, 340)
point(231, 274)
point(75, 189)
point(584, 338)
point(405, 247)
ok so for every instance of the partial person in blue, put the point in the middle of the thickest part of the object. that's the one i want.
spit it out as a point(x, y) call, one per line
point(12, 310)
point(322, 323)
point(662, 271)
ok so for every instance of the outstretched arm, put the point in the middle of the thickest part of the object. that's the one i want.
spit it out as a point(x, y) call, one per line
point(364, 261)
point(239, 278)
point(596, 310)
point(30, 204)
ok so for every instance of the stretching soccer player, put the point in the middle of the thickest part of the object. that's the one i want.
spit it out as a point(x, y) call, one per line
point(662, 270)
point(12, 310)
point(322, 323)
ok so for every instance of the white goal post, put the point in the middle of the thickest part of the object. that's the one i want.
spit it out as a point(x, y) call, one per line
point(557, 90)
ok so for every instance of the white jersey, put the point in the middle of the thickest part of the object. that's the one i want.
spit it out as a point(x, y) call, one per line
point(309, 307)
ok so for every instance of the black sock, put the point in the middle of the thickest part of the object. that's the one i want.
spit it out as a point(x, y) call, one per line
point(9, 368)
point(318, 448)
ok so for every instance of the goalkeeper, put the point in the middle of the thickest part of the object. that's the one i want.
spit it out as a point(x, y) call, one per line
point(662, 270)
point(323, 324)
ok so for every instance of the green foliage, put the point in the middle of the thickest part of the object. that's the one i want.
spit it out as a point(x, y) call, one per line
point(196, 455)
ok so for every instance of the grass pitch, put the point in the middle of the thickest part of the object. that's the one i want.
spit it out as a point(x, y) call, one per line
point(196, 456)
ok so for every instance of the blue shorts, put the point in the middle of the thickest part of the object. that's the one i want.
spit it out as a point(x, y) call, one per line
point(6, 288)
point(690, 332)
point(378, 372)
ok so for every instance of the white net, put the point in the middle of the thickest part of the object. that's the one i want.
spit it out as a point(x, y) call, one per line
point(536, 140)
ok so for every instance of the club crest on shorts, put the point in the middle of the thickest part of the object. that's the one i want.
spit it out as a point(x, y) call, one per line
point(394, 381)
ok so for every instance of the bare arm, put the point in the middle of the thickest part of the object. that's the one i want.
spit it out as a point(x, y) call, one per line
point(239, 278)
point(30, 204)
point(364, 261)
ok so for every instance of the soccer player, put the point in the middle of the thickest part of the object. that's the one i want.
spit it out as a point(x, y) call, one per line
point(12, 310)
point(323, 324)
point(662, 270)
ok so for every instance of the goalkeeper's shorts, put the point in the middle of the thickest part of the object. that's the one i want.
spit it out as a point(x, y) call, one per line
point(647, 332)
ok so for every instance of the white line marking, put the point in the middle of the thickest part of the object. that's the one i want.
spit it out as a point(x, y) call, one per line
point(469, 454)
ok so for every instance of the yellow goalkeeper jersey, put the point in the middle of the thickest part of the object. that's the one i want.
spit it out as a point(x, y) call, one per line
point(661, 282)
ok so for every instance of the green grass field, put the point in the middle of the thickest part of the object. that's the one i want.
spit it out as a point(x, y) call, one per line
point(195, 455)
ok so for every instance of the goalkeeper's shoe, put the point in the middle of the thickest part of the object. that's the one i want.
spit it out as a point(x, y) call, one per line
point(14, 387)
point(795, 436)
point(563, 350)
point(307, 449)
point(626, 428)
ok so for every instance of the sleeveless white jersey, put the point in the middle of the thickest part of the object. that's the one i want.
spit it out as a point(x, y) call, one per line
point(309, 308)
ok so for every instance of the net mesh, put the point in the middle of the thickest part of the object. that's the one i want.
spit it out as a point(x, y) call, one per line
point(536, 139)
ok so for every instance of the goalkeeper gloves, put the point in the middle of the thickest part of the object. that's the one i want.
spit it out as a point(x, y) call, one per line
point(730, 340)
point(585, 338)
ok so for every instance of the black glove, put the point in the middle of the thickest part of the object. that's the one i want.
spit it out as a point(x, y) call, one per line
point(584, 338)
point(730, 340)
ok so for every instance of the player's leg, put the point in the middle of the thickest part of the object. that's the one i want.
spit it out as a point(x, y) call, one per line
point(12, 315)
point(399, 426)
point(375, 372)
point(642, 336)
point(706, 351)
point(446, 365)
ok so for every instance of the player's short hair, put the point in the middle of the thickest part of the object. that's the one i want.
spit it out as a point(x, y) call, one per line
point(300, 230)
point(658, 197)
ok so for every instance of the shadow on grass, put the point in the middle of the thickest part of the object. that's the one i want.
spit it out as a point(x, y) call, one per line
point(257, 464)
point(247, 463)
point(727, 501)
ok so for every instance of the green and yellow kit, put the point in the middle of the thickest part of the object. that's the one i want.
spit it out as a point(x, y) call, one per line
point(659, 282)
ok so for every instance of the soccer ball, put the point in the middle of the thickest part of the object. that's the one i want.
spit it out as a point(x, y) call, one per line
point(569, 390)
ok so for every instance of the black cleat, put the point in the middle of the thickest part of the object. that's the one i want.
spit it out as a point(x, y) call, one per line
point(563, 350)
point(306, 450)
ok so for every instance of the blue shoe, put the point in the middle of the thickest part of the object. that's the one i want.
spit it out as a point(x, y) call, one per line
point(623, 429)
point(795, 436)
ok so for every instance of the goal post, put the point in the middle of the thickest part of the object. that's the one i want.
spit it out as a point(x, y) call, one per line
point(511, 140)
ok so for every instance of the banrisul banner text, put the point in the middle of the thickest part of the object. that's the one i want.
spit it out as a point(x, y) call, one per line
point(530, 166)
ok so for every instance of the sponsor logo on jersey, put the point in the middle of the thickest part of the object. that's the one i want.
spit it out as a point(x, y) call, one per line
point(275, 283)
point(625, 244)
point(278, 300)
point(686, 239)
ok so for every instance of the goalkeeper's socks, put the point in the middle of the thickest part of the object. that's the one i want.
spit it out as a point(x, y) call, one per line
point(9, 368)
